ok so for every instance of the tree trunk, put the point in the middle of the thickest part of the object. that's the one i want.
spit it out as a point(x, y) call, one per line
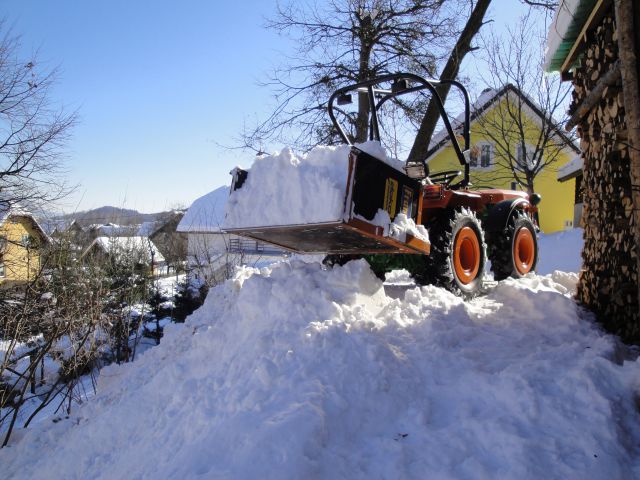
point(362, 120)
point(450, 71)
point(624, 12)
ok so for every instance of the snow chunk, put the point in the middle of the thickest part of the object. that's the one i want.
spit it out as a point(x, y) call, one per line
point(402, 225)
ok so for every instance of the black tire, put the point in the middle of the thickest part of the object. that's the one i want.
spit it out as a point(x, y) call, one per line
point(514, 251)
point(458, 254)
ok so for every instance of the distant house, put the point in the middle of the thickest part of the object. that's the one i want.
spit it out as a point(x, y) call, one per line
point(21, 243)
point(212, 254)
point(146, 228)
point(171, 242)
point(72, 232)
point(110, 230)
point(494, 111)
point(139, 253)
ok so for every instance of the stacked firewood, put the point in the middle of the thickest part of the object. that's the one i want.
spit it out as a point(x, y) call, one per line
point(608, 283)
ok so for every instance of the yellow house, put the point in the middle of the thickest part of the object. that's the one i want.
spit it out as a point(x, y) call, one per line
point(21, 239)
point(515, 146)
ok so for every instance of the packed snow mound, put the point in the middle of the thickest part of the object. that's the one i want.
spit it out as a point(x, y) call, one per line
point(296, 371)
point(290, 189)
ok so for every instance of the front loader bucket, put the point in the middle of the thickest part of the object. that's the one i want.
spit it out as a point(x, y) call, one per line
point(371, 185)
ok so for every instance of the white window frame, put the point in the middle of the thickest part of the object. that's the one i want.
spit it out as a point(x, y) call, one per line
point(481, 146)
point(2, 270)
point(530, 151)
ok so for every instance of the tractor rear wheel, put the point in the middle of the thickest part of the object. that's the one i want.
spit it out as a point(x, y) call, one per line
point(514, 251)
point(458, 254)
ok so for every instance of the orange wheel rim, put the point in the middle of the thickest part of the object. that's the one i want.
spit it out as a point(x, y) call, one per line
point(466, 255)
point(524, 249)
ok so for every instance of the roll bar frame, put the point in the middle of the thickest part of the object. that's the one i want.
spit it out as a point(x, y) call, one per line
point(420, 83)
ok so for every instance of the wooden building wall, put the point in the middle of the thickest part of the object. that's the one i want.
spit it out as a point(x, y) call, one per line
point(609, 281)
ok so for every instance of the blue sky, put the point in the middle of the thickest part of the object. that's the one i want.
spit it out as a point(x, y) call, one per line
point(159, 86)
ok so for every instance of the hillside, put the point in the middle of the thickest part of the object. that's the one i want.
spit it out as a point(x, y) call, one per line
point(296, 371)
point(108, 214)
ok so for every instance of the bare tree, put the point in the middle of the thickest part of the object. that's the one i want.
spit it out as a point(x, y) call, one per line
point(50, 332)
point(346, 41)
point(549, 5)
point(32, 131)
point(428, 123)
point(524, 126)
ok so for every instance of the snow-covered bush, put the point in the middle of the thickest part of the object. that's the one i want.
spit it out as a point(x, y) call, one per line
point(75, 317)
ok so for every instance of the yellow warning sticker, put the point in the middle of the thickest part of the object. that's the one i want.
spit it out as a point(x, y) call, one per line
point(390, 196)
point(407, 201)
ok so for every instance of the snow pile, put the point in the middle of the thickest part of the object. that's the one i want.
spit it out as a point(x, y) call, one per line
point(289, 189)
point(301, 372)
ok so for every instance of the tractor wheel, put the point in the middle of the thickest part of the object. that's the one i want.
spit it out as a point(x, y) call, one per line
point(458, 254)
point(514, 251)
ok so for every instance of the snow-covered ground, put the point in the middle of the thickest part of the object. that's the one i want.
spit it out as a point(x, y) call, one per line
point(560, 251)
point(295, 371)
point(16, 354)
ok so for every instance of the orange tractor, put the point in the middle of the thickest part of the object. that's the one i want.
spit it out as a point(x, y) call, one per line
point(465, 225)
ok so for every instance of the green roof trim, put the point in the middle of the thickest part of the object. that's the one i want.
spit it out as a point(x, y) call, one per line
point(557, 57)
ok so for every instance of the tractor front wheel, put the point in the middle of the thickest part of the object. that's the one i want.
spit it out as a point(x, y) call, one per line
point(514, 251)
point(458, 254)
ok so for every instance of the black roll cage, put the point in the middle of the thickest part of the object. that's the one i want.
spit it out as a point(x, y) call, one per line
point(400, 86)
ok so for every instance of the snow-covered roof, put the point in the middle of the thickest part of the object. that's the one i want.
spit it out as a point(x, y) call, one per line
point(569, 19)
point(487, 99)
point(571, 169)
point(146, 229)
point(113, 230)
point(206, 214)
point(9, 209)
point(16, 210)
point(123, 245)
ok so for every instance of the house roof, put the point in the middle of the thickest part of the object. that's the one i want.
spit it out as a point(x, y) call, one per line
point(147, 228)
point(486, 100)
point(571, 169)
point(571, 18)
point(120, 246)
point(15, 210)
point(113, 230)
point(206, 214)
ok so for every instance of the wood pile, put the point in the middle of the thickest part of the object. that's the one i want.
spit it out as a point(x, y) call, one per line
point(609, 280)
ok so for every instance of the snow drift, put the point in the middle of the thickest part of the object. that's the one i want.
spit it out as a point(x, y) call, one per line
point(296, 371)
